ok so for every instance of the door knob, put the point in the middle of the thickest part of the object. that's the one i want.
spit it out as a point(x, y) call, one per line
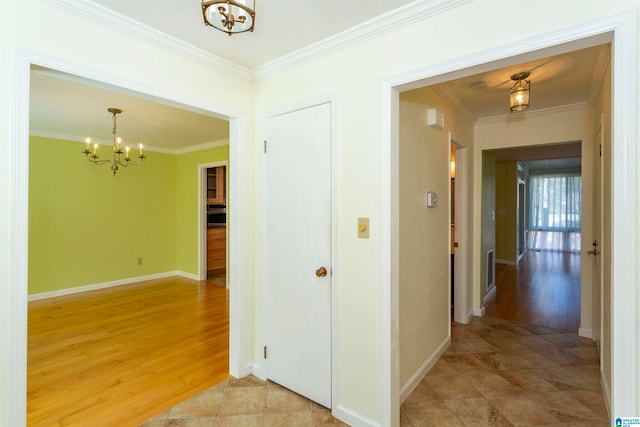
point(321, 272)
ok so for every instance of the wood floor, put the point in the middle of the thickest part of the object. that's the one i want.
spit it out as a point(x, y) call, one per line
point(119, 356)
point(544, 289)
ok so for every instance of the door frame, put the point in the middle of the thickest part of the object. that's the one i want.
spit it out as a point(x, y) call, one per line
point(259, 368)
point(621, 31)
point(202, 218)
point(15, 365)
point(462, 310)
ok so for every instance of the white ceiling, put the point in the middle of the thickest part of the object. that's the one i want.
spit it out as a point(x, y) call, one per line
point(72, 108)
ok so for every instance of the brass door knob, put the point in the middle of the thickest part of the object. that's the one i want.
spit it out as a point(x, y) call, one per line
point(321, 272)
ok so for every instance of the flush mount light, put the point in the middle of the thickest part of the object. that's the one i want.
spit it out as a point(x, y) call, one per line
point(519, 96)
point(230, 16)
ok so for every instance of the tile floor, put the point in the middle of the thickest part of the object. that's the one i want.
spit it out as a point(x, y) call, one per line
point(495, 373)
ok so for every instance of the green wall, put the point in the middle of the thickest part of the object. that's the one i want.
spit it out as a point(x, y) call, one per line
point(187, 203)
point(506, 210)
point(87, 226)
point(488, 231)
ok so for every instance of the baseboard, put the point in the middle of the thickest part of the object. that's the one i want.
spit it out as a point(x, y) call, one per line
point(353, 418)
point(255, 370)
point(478, 312)
point(507, 262)
point(605, 392)
point(585, 333)
point(415, 379)
point(471, 313)
point(487, 298)
point(79, 289)
point(188, 275)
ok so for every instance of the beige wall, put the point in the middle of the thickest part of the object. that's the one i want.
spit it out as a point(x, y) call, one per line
point(351, 77)
point(424, 232)
point(506, 211)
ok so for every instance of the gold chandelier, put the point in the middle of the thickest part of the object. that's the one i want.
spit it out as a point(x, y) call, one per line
point(230, 16)
point(519, 95)
point(117, 161)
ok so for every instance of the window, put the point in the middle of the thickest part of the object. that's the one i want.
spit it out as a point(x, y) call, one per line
point(555, 211)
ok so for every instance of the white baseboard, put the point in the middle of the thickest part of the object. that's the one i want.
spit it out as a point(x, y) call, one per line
point(478, 312)
point(585, 333)
point(470, 315)
point(605, 391)
point(79, 289)
point(415, 379)
point(256, 371)
point(188, 275)
point(353, 418)
point(507, 262)
point(488, 297)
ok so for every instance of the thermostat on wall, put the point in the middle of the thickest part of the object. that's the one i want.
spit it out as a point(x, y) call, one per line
point(431, 199)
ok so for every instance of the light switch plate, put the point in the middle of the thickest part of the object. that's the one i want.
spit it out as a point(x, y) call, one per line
point(363, 228)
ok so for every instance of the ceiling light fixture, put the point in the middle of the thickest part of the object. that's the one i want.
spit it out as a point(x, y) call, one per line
point(117, 150)
point(230, 16)
point(519, 96)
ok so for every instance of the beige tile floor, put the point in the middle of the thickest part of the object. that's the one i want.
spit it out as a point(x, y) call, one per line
point(495, 373)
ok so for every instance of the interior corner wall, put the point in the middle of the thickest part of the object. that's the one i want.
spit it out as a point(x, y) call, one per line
point(87, 226)
point(423, 233)
point(187, 177)
point(506, 193)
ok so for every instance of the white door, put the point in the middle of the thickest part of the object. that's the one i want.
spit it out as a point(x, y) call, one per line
point(298, 231)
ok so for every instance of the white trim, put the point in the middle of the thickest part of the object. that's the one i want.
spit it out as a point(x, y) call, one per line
point(109, 143)
point(125, 25)
point(205, 146)
point(415, 379)
point(18, 151)
point(488, 296)
point(625, 370)
point(461, 304)
point(542, 112)
point(478, 312)
point(104, 285)
point(353, 418)
point(605, 391)
point(202, 221)
point(390, 21)
point(505, 261)
point(585, 333)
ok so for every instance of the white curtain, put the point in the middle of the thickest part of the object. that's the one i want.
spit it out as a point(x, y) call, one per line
point(555, 211)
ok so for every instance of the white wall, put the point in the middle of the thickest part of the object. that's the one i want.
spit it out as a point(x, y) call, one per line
point(352, 76)
point(58, 39)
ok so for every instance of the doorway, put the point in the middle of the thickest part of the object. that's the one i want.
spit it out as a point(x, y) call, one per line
point(213, 235)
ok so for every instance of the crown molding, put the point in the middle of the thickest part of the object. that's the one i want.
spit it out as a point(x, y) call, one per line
point(444, 90)
point(390, 21)
point(109, 142)
point(562, 109)
point(140, 31)
point(205, 146)
point(603, 59)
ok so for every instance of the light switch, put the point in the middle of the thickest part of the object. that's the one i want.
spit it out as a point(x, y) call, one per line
point(363, 228)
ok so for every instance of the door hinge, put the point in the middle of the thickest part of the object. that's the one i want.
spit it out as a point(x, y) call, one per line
point(265, 151)
point(600, 150)
point(265, 351)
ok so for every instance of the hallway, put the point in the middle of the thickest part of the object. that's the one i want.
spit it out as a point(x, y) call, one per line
point(543, 290)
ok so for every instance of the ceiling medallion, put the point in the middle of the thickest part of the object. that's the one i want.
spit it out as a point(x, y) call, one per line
point(230, 16)
point(519, 95)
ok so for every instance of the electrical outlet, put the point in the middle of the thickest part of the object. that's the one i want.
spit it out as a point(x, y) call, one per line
point(139, 260)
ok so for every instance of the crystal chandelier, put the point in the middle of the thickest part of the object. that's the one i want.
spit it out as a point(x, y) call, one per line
point(117, 161)
point(230, 16)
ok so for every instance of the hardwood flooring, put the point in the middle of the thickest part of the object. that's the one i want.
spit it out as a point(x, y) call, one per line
point(122, 355)
point(544, 289)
